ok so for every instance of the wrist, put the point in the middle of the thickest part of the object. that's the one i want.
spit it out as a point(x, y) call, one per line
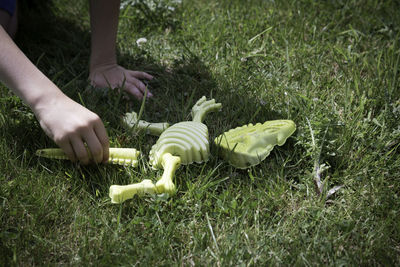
point(49, 96)
point(96, 65)
point(103, 32)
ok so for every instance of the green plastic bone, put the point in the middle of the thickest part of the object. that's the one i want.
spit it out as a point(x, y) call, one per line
point(120, 156)
point(248, 145)
point(120, 193)
point(182, 143)
point(131, 121)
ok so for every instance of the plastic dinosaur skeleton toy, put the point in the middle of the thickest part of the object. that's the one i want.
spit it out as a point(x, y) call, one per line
point(182, 143)
point(187, 142)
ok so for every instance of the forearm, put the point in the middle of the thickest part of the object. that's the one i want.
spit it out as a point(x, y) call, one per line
point(104, 25)
point(70, 125)
point(19, 74)
point(104, 70)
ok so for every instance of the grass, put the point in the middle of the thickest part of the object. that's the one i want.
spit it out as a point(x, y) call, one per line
point(332, 67)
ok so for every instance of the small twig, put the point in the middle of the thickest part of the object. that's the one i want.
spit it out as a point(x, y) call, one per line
point(319, 186)
point(333, 191)
point(212, 233)
point(320, 168)
point(311, 132)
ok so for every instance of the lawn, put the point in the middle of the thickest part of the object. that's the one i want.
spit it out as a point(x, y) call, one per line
point(330, 66)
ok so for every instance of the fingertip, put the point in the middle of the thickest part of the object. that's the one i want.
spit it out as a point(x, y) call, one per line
point(147, 92)
point(98, 158)
point(71, 156)
point(134, 91)
point(106, 154)
point(80, 151)
point(68, 151)
point(84, 160)
point(106, 149)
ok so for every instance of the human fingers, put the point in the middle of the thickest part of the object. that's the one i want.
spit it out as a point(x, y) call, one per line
point(102, 136)
point(141, 75)
point(67, 148)
point(134, 78)
point(94, 146)
point(138, 85)
point(133, 90)
point(80, 150)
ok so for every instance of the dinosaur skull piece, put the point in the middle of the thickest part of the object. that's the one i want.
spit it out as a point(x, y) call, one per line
point(250, 144)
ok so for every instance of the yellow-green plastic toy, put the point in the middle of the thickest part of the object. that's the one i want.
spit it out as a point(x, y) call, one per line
point(120, 156)
point(250, 144)
point(182, 143)
point(131, 120)
point(187, 142)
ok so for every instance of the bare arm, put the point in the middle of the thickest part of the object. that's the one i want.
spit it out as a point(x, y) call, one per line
point(104, 25)
point(69, 124)
point(104, 70)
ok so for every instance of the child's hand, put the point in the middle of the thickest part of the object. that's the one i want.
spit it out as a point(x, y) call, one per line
point(72, 126)
point(115, 76)
point(69, 124)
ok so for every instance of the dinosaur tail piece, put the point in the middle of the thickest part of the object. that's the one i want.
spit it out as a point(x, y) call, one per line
point(120, 156)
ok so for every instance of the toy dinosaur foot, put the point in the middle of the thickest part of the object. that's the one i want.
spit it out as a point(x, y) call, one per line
point(202, 107)
point(120, 193)
point(165, 184)
point(250, 144)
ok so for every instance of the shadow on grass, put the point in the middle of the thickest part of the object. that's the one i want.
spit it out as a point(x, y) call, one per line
point(60, 49)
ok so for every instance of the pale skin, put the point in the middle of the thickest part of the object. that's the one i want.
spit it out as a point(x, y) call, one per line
point(69, 124)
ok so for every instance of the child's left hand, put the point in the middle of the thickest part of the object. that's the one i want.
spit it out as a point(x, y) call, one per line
point(115, 76)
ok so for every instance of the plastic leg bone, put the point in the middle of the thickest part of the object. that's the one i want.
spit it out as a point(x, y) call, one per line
point(170, 164)
point(120, 193)
point(131, 120)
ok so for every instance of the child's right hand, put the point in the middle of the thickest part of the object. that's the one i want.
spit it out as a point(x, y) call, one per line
point(69, 124)
point(72, 127)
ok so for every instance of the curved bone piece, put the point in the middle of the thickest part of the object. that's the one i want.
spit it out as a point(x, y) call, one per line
point(250, 144)
point(131, 120)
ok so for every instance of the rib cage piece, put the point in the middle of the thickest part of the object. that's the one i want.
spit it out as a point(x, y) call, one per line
point(188, 140)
